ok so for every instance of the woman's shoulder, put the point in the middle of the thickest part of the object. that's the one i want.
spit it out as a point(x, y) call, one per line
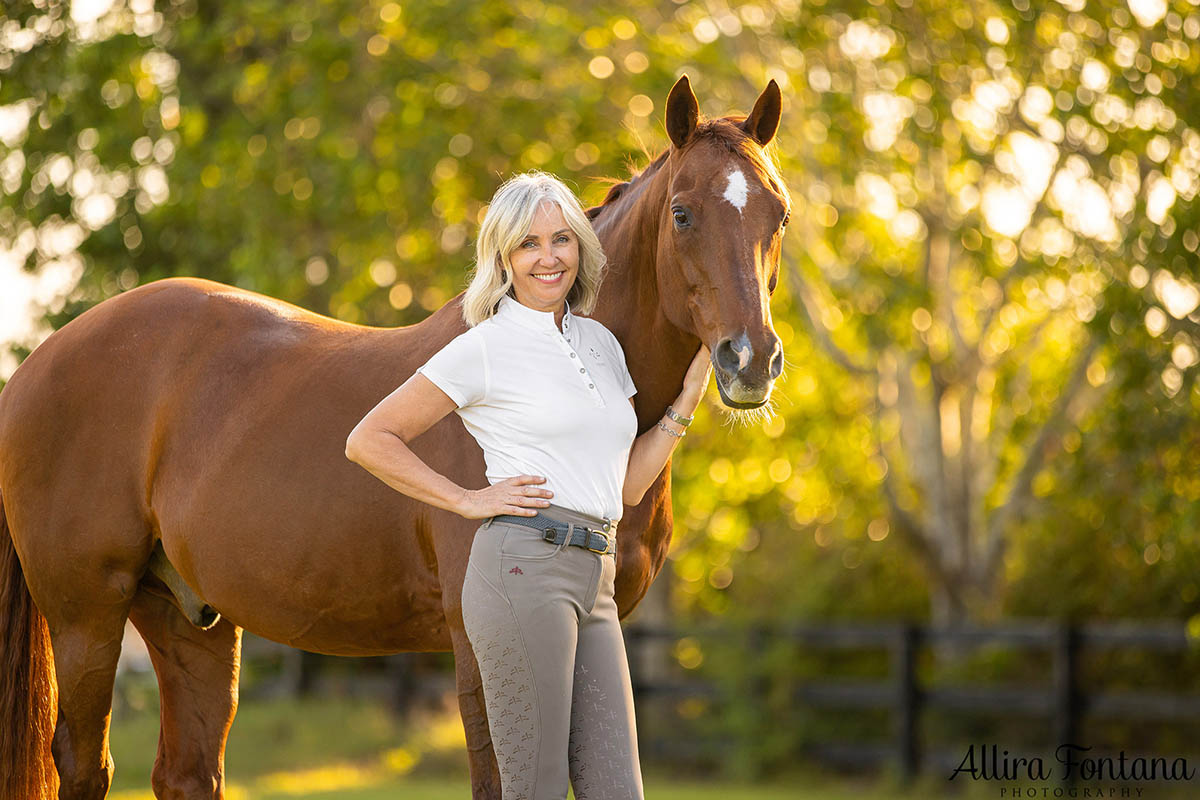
point(480, 330)
point(467, 345)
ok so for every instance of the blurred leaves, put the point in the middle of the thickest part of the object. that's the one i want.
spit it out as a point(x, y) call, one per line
point(988, 310)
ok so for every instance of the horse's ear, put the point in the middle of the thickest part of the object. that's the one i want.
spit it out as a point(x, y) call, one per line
point(764, 119)
point(682, 112)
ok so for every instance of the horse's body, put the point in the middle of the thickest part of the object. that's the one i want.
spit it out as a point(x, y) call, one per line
point(214, 420)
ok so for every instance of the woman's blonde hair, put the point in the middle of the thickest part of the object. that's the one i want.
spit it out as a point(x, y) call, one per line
point(508, 219)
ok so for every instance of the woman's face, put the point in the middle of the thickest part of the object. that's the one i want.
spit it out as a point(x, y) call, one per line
point(546, 261)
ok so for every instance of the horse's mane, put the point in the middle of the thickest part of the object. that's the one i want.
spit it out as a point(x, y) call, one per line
point(723, 131)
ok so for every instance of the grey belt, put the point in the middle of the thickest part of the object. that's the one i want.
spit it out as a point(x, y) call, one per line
point(598, 540)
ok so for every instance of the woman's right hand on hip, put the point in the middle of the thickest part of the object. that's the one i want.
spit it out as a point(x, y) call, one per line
point(517, 495)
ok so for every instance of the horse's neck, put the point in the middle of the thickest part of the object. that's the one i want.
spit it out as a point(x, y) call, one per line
point(656, 352)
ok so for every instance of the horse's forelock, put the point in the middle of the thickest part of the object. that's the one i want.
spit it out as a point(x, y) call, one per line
point(726, 132)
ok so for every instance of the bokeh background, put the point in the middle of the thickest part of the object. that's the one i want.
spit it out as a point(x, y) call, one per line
point(989, 312)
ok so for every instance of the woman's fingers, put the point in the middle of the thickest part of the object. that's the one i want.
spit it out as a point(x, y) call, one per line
point(516, 496)
point(522, 487)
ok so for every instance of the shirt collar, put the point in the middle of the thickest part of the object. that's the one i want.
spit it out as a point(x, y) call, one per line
point(513, 309)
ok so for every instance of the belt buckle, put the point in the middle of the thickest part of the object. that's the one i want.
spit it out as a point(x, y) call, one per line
point(606, 542)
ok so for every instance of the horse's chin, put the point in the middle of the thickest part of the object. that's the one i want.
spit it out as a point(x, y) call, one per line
point(746, 400)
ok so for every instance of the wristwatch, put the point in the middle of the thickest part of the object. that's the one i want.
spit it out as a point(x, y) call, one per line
point(675, 415)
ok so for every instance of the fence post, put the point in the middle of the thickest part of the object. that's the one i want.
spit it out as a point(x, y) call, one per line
point(404, 682)
point(758, 642)
point(634, 641)
point(1066, 692)
point(907, 700)
point(303, 672)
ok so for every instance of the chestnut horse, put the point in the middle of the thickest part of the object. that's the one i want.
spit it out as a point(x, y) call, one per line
point(175, 456)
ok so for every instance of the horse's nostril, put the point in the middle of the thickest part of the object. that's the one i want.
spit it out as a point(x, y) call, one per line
point(777, 363)
point(727, 357)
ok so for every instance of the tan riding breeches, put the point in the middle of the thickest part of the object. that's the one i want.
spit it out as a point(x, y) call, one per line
point(542, 622)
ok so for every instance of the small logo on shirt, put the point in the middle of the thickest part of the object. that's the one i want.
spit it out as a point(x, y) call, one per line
point(516, 571)
point(594, 353)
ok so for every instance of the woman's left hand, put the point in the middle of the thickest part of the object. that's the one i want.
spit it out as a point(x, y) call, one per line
point(700, 370)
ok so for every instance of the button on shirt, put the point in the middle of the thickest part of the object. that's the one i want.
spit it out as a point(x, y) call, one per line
point(540, 401)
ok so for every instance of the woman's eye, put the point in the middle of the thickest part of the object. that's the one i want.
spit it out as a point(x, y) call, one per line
point(563, 239)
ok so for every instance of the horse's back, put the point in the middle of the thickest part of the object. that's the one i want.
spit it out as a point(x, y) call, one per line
point(98, 380)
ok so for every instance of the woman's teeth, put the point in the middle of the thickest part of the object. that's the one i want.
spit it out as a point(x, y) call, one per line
point(548, 278)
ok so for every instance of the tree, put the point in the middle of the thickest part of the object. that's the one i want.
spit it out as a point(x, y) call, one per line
point(992, 273)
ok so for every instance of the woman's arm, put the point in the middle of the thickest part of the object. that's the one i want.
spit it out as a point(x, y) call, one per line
point(379, 443)
point(651, 450)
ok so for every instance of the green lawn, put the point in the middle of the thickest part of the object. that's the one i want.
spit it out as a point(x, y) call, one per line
point(354, 749)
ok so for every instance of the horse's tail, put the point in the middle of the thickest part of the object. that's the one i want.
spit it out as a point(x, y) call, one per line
point(27, 687)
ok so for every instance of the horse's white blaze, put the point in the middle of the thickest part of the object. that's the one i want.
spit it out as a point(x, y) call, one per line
point(736, 189)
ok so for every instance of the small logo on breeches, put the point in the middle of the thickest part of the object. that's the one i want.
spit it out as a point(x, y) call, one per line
point(515, 571)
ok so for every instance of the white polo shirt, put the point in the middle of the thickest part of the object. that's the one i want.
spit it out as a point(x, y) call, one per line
point(540, 401)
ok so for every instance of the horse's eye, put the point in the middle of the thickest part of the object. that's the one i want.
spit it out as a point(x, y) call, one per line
point(787, 217)
point(682, 220)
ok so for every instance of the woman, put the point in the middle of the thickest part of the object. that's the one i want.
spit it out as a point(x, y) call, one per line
point(548, 397)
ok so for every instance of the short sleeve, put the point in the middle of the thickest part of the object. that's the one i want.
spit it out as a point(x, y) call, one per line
point(460, 369)
point(622, 369)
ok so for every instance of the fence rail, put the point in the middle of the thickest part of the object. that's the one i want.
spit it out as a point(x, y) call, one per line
point(1063, 703)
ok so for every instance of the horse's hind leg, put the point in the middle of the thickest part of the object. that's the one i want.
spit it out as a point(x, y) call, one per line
point(86, 650)
point(198, 692)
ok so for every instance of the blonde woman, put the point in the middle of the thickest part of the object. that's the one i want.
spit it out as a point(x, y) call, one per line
point(546, 393)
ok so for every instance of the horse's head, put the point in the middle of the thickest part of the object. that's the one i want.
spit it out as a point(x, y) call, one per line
point(720, 239)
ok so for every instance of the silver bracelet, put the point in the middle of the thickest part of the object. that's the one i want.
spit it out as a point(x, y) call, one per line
point(678, 435)
point(675, 415)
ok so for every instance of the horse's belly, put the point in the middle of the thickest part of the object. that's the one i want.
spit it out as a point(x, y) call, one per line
point(366, 623)
point(338, 637)
point(335, 586)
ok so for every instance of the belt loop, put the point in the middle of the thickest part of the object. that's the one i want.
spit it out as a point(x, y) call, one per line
point(566, 539)
point(488, 524)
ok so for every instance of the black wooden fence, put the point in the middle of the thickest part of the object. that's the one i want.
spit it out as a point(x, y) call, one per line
point(1062, 701)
